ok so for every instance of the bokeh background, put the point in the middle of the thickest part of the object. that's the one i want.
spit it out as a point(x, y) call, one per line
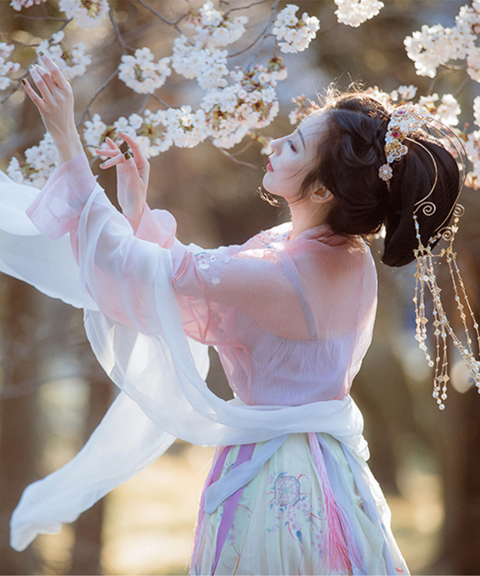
point(53, 394)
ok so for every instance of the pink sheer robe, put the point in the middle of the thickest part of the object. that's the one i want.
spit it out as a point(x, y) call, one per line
point(291, 320)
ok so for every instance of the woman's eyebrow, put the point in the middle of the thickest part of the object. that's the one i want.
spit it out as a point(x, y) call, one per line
point(301, 136)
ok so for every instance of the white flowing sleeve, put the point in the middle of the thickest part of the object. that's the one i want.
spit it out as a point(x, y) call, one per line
point(147, 294)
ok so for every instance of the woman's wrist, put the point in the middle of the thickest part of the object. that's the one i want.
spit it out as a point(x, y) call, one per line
point(68, 144)
point(134, 217)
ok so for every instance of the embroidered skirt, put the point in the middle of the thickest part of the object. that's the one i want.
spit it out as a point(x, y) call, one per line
point(303, 513)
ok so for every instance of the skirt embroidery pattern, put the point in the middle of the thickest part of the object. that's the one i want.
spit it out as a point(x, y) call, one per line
point(280, 523)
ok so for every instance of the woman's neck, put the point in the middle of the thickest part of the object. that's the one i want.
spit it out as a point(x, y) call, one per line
point(306, 214)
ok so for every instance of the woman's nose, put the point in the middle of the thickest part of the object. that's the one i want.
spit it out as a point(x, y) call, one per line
point(276, 145)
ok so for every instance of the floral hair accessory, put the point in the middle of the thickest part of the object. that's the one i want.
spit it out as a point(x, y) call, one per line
point(403, 121)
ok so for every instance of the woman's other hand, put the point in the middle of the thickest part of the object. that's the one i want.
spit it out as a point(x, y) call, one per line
point(132, 177)
point(55, 105)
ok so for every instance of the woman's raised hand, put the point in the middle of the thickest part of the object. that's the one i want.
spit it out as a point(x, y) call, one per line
point(132, 176)
point(55, 105)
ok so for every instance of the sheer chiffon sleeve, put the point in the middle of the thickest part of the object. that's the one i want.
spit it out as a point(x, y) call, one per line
point(212, 286)
point(151, 292)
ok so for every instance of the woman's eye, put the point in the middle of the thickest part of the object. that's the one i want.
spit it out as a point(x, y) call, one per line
point(292, 146)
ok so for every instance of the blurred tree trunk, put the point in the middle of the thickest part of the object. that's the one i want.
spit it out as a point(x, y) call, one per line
point(17, 417)
point(87, 550)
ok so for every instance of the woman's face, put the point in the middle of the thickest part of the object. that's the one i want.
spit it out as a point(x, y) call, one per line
point(293, 157)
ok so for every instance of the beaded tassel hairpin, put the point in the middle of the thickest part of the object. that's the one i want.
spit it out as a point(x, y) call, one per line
point(406, 120)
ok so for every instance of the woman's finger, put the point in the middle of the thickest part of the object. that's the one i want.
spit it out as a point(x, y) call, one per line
point(142, 163)
point(113, 145)
point(134, 145)
point(55, 71)
point(111, 151)
point(119, 158)
point(106, 152)
point(52, 86)
point(34, 97)
point(40, 83)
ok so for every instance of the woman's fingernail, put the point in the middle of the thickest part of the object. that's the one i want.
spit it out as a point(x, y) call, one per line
point(41, 53)
point(127, 155)
point(24, 81)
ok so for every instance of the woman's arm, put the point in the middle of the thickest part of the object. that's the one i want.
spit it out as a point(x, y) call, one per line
point(55, 106)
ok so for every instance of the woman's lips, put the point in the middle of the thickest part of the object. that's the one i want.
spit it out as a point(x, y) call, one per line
point(269, 166)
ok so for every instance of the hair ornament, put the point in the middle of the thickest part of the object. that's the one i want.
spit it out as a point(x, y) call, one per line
point(405, 120)
point(425, 274)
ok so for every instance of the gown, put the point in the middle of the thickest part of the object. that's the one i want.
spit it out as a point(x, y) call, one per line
point(289, 491)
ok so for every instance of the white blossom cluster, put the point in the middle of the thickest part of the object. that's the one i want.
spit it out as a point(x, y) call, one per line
point(40, 163)
point(141, 73)
point(476, 110)
point(95, 131)
point(356, 12)
point(19, 4)
point(250, 103)
point(6, 66)
point(207, 65)
point(186, 128)
point(435, 46)
point(148, 130)
point(71, 61)
point(156, 132)
point(213, 28)
point(405, 93)
point(86, 13)
point(294, 34)
point(447, 111)
point(472, 148)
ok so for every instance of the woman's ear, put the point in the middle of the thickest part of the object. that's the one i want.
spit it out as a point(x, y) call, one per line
point(321, 195)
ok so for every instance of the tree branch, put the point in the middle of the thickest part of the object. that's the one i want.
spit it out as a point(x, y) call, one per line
point(270, 22)
point(173, 23)
point(259, 37)
point(463, 85)
point(162, 102)
point(144, 103)
point(236, 160)
point(245, 7)
point(52, 18)
point(86, 112)
point(117, 32)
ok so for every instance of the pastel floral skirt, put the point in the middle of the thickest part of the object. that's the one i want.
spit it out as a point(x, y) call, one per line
point(287, 520)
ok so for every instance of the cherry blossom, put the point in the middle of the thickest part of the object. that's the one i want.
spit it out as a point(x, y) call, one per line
point(207, 65)
point(87, 13)
point(356, 12)
point(448, 110)
point(6, 67)
point(296, 34)
point(213, 28)
point(71, 61)
point(141, 73)
point(407, 92)
point(95, 131)
point(248, 104)
point(19, 4)
point(40, 163)
point(472, 147)
point(436, 46)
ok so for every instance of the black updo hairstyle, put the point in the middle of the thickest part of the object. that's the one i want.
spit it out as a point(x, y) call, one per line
point(350, 153)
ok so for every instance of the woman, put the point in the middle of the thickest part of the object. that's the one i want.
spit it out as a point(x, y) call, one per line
point(291, 313)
